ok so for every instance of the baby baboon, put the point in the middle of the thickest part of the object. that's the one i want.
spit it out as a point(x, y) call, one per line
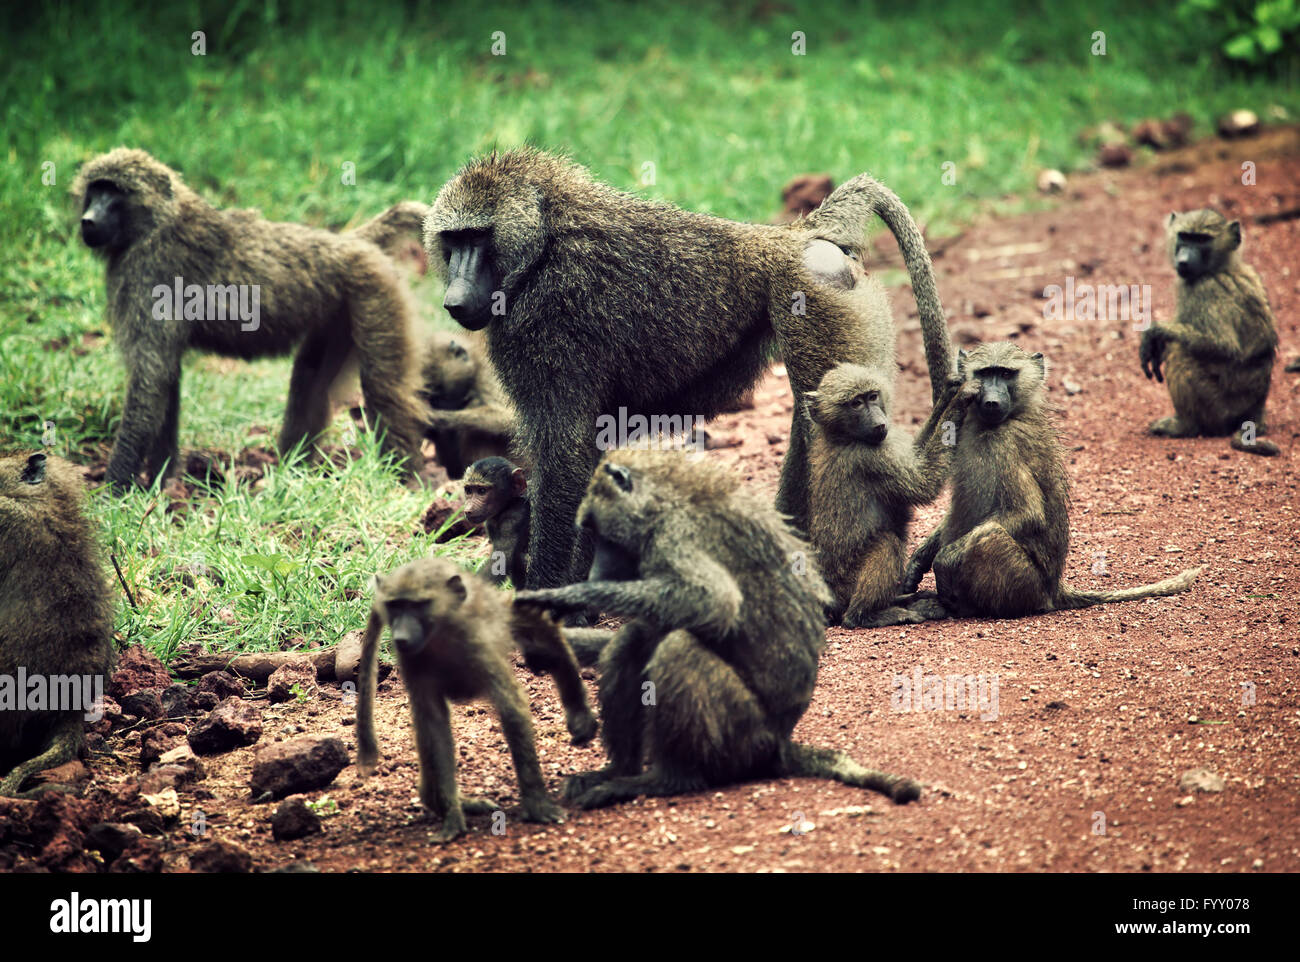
point(453, 635)
point(865, 480)
point(56, 617)
point(471, 417)
point(496, 494)
point(182, 274)
point(1218, 353)
point(598, 302)
point(718, 659)
point(1000, 551)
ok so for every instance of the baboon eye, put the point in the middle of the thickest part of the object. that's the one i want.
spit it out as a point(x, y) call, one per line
point(856, 402)
point(621, 475)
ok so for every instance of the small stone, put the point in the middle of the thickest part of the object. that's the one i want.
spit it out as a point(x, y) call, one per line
point(293, 819)
point(300, 674)
point(1200, 780)
point(300, 764)
point(220, 856)
point(223, 684)
point(232, 724)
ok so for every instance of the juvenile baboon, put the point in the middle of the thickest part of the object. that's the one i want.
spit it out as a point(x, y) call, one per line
point(1218, 352)
point(496, 495)
point(865, 479)
point(471, 416)
point(250, 288)
point(453, 634)
point(1000, 551)
point(56, 617)
point(598, 302)
point(718, 659)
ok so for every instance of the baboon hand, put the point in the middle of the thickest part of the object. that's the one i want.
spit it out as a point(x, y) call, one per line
point(550, 599)
point(1151, 352)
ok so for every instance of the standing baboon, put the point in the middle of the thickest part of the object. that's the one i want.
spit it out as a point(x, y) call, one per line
point(56, 617)
point(453, 635)
point(1218, 353)
point(865, 479)
point(598, 302)
point(182, 274)
point(496, 495)
point(718, 659)
point(1000, 551)
point(471, 416)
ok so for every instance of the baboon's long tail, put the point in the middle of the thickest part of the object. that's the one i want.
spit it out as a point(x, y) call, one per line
point(1071, 598)
point(806, 760)
point(403, 221)
point(842, 219)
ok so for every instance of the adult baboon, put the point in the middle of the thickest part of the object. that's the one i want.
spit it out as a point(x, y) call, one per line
point(865, 480)
point(1000, 551)
point(453, 635)
point(471, 416)
point(718, 659)
point(1218, 352)
point(182, 274)
point(598, 302)
point(56, 616)
point(496, 495)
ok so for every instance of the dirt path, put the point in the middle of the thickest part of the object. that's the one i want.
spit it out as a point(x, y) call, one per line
point(1099, 712)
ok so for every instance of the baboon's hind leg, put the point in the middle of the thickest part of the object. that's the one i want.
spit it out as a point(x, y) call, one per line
point(1172, 427)
point(987, 573)
point(65, 745)
point(315, 368)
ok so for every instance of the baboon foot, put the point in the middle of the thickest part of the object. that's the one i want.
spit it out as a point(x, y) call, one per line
point(582, 727)
point(885, 617)
point(453, 826)
point(1172, 427)
point(542, 809)
point(1259, 446)
point(577, 785)
point(474, 805)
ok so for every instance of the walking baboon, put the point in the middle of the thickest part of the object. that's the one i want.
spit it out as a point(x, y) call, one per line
point(865, 479)
point(496, 494)
point(718, 659)
point(598, 302)
point(1218, 352)
point(1000, 551)
point(182, 274)
point(56, 616)
point(471, 416)
point(453, 634)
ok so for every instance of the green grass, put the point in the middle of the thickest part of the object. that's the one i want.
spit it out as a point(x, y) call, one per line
point(710, 94)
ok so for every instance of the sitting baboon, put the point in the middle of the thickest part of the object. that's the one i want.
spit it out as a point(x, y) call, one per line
point(496, 495)
point(182, 274)
point(600, 303)
point(1000, 551)
point(471, 416)
point(56, 616)
point(1218, 352)
point(453, 634)
point(865, 479)
point(718, 659)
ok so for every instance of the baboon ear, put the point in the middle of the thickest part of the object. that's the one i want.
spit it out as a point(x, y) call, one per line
point(456, 584)
point(34, 471)
point(962, 354)
point(376, 584)
point(1234, 232)
point(1037, 358)
point(621, 475)
point(1172, 216)
point(518, 483)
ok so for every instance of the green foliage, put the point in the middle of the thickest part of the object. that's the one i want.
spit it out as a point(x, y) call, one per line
point(1255, 32)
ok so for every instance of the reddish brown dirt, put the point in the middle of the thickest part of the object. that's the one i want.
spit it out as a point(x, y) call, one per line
point(1100, 711)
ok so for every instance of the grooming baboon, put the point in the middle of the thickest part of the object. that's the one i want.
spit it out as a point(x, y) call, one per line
point(598, 302)
point(329, 295)
point(865, 479)
point(56, 616)
point(496, 495)
point(471, 417)
point(1000, 551)
point(1218, 352)
point(453, 634)
point(718, 659)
